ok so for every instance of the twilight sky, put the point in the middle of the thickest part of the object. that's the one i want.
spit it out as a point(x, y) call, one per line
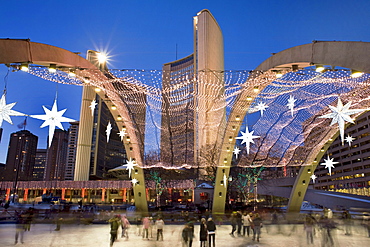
point(145, 34)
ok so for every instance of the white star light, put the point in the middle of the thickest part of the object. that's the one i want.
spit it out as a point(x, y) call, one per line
point(134, 181)
point(290, 104)
point(247, 137)
point(349, 139)
point(341, 114)
point(236, 152)
point(108, 130)
point(313, 177)
point(6, 111)
point(92, 106)
point(329, 163)
point(261, 107)
point(53, 118)
point(130, 166)
point(122, 134)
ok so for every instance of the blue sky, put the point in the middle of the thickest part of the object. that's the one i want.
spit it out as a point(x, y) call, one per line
point(144, 35)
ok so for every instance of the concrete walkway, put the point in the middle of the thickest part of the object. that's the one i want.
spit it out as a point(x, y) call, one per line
point(98, 235)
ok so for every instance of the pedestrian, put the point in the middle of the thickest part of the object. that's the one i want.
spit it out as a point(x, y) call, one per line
point(185, 236)
point(125, 224)
point(239, 222)
point(257, 225)
point(327, 225)
point(28, 219)
point(19, 226)
point(203, 233)
point(115, 222)
point(247, 220)
point(211, 228)
point(233, 221)
point(160, 225)
point(146, 225)
point(191, 233)
point(309, 227)
point(347, 221)
point(151, 223)
point(138, 226)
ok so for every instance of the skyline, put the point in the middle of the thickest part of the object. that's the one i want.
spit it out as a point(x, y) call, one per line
point(135, 41)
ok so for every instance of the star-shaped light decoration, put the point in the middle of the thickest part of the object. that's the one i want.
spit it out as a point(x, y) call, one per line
point(349, 139)
point(341, 114)
point(122, 134)
point(92, 106)
point(329, 163)
point(53, 118)
point(236, 152)
point(261, 107)
point(247, 137)
point(134, 181)
point(130, 166)
point(313, 177)
point(6, 111)
point(108, 131)
point(290, 104)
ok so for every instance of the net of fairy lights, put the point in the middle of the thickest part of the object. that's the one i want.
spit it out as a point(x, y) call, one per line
point(174, 105)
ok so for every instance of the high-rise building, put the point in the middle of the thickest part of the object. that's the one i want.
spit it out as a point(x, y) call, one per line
point(71, 151)
point(56, 156)
point(352, 172)
point(20, 160)
point(192, 116)
point(39, 167)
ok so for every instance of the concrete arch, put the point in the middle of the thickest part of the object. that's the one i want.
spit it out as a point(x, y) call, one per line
point(353, 55)
point(24, 51)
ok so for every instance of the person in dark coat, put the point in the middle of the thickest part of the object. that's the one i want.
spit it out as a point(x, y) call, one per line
point(211, 228)
point(203, 233)
point(233, 221)
point(257, 224)
point(115, 223)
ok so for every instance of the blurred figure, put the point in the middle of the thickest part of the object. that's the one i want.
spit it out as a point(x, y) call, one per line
point(150, 229)
point(257, 225)
point(115, 222)
point(146, 225)
point(28, 219)
point(160, 225)
point(185, 236)
point(125, 224)
point(203, 233)
point(190, 233)
point(347, 221)
point(233, 221)
point(138, 226)
point(211, 228)
point(309, 227)
point(19, 226)
point(366, 223)
point(239, 222)
point(247, 220)
point(327, 226)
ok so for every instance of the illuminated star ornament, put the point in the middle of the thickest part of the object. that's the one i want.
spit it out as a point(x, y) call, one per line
point(247, 137)
point(122, 134)
point(108, 130)
point(53, 118)
point(290, 104)
point(6, 111)
point(341, 114)
point(134, 181)
point(92, 106)
point(236, 152)
point(329, 163)
point(130, 166)
point(313, 177)
point(261, 107)
point(349, 139)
